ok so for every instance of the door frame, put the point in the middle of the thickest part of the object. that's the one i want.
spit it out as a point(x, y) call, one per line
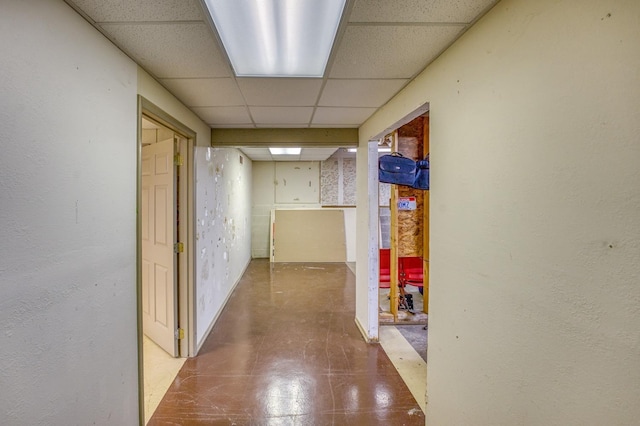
point(371, 330)
point(186, 201)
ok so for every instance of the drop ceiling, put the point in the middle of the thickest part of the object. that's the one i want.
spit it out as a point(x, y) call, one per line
point(381, 46)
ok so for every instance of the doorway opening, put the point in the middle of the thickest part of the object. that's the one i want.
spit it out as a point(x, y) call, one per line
point(401, 216)
point(403, 248)
point(164, 256)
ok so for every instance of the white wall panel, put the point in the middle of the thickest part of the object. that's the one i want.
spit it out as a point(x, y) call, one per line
point(223, 229)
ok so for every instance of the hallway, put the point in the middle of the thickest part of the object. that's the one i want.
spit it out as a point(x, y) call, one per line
point(286, 351)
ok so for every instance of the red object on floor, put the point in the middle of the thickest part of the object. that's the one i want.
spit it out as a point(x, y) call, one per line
point(411, 271)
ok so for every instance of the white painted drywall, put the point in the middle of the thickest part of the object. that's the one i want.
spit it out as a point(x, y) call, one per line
point(68, 214)
point(535, 207)
point(223, 229)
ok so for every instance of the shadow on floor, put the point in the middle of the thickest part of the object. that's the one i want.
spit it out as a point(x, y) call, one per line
point(416, 335)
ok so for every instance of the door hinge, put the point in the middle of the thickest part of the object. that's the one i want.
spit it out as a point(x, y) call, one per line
point(177, 160)
point(178, 247)
point(180, 334)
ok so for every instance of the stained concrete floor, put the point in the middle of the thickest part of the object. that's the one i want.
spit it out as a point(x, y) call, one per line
point(286, 351)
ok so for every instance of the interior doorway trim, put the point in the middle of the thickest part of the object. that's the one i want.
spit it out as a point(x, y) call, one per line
point(186, 201)
point(373, 244)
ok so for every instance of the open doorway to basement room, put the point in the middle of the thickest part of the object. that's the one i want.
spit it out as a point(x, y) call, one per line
point(404, 234)
point(403, 258)
point(165, 266)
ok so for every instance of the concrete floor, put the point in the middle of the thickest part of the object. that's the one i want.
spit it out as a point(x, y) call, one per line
point(286, 350)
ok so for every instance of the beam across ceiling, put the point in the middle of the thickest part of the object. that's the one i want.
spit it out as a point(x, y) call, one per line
point(334, 137)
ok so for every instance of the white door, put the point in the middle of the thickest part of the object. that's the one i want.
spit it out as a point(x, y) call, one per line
point(159, 289)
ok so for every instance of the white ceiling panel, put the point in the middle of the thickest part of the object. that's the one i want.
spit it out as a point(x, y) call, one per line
point(419, 10)
point(334, 126)
point(385, 44)
point(281, 125)
point(172, 50)
point(274, 115)
point(342, 116)
point(316, 154)
point(223, 115)
point(202, 92)
point(257, 154)
point(390, 51)
point(280, 91)
point(141, 10)
point(359, 93)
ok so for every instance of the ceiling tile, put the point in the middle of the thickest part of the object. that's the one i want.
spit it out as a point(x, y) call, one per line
point(223, 115)
point(200, 92)
point(316, 154)
point(359, 93)
point(335, 126)
point(345, 116)
point(275, 115)
point(418, 10)
point(282, 125)
point(257, 154)
point(387, 43)
point(280, 91)
point(172, 50)
point(390, 51)
point(141, 10)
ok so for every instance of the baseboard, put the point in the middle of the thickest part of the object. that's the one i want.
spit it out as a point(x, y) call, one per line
point(365, 335)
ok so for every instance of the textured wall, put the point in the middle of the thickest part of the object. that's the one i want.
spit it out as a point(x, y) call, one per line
point(330, 171)
point(535, 200)
point(338, 180)
point(67, 209)
point(223, 228)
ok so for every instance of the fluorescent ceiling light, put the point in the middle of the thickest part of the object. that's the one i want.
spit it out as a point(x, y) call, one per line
point(277, 38)
point(352, 149)
point(285, 151)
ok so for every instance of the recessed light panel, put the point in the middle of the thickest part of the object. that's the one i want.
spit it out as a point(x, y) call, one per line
point(277, 38)
point(285, 151)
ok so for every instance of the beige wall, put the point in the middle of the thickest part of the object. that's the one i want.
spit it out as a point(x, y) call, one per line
point(535, 200)
point(68, 130)
point(154, 92)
